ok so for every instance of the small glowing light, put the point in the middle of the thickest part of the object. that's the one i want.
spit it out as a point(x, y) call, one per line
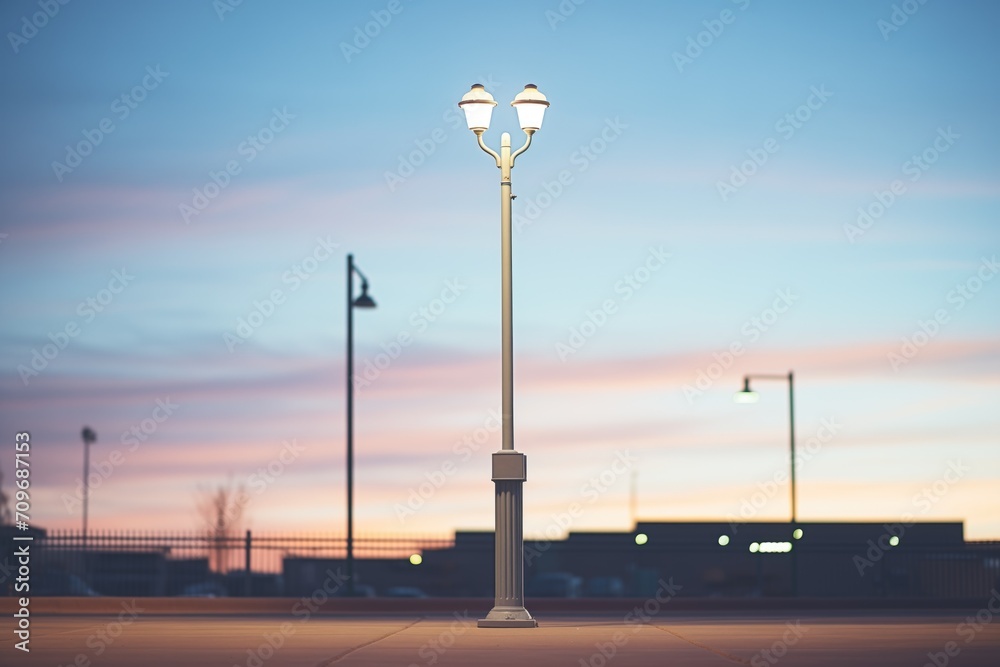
point(771, 547)
point(723, 540)
point(797, 533)
point(416, 559)
point(754, 548)
point(746, 397)
point(893, 541)
point(641, 539)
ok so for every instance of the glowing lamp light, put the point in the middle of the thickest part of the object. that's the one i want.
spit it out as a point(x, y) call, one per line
point(641, 539)
point(530, 105)
point(893, 541)
point(416, 559)
point(478, 107)
point(754, 547)
point(797, 533)
point(746, 396)
point(723, 540)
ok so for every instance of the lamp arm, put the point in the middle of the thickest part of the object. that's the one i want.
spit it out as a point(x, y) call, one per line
point(360, 275)
point(527, 143)
point(482, 144)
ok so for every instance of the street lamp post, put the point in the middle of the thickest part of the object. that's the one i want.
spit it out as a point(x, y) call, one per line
point(509, 465)
point(746, 395)
point(363, 301)
point(89, 438)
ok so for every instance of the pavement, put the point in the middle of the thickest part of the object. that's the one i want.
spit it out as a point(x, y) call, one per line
point(144, 636)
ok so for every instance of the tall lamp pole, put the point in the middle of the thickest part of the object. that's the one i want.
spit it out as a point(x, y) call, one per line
point(509, 465)
point(363, 301)
point(89, 438)
point(749, 396)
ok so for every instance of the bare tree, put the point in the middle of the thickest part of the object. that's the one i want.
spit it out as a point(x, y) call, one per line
point(221, 512)
point(5, 515)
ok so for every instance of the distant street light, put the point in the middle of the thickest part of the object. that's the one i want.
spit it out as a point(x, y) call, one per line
point(363, 301)
point(89, 438)
point(746, 395)
point(509, 466)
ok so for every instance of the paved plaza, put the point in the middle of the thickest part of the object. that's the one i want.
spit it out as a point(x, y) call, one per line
point(138, 638)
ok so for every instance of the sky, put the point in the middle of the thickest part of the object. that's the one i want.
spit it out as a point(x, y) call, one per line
point(719, 188)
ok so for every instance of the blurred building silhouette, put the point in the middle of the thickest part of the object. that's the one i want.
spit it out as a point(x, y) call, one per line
point(705, 558)
point(756, 559)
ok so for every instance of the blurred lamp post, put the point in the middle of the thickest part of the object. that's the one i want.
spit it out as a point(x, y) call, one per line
point(363, 301)
point(89, 438)
point(509, 465)
point(749, 396)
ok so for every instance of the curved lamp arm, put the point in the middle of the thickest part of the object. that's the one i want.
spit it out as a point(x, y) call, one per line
point(487, 149)
point(527, 143)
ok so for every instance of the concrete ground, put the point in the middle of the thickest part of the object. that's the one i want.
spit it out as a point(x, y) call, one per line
point(136, 637)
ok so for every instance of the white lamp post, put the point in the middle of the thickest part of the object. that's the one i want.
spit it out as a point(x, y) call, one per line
point(509, 465)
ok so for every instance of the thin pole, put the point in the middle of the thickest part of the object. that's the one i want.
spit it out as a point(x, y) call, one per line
point(791, 419)
point(86, 487)
point(633, 499)
point(507, 306)
point(791, 439)
point(246, 564)
point(350, 425)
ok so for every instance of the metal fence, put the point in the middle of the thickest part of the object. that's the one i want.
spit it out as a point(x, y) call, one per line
point(159, 563)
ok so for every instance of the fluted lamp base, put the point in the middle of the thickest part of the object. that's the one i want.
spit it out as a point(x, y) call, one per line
point(509, 475)
point(508, 617)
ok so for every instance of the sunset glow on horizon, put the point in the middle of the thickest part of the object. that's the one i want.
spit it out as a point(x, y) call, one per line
point(807, 191)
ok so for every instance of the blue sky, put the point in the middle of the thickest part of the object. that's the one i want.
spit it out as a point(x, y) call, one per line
point(654, 105)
